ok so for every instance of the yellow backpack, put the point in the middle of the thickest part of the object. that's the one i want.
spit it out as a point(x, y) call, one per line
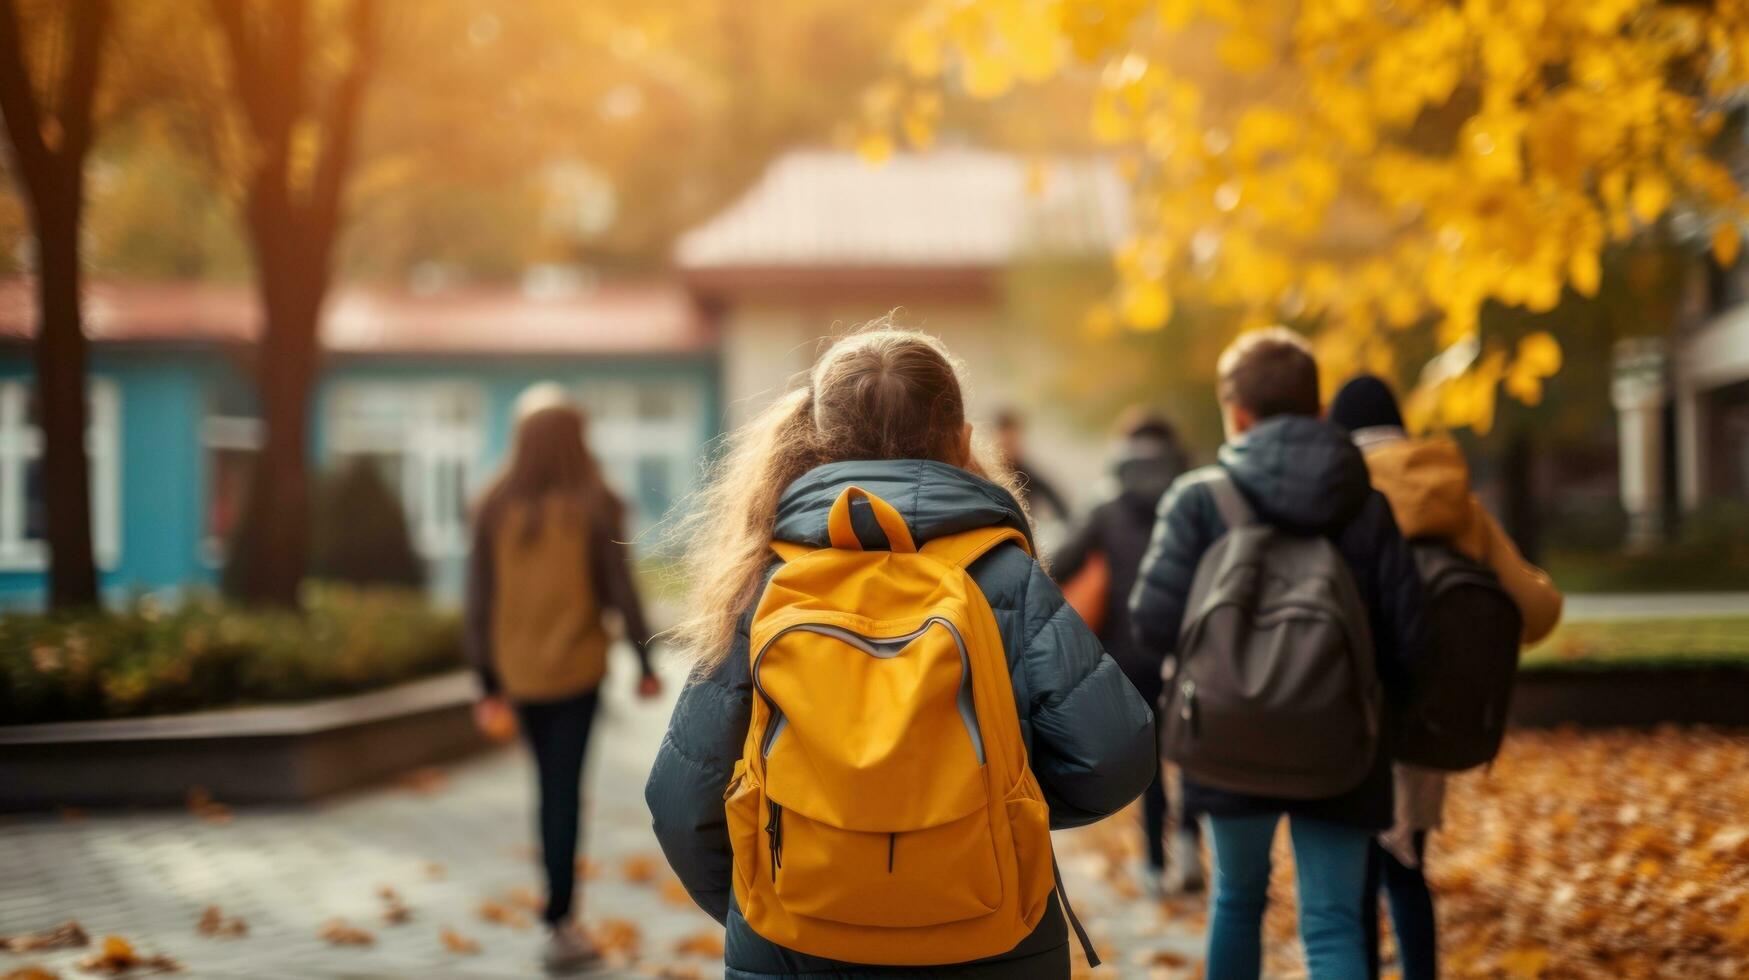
point(883, 811)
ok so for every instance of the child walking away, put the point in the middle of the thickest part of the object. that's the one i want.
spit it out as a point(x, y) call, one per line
point(1289, 603)
point(1097, 567)
point(546, 563)
point(891, 705)
point(1484, 601)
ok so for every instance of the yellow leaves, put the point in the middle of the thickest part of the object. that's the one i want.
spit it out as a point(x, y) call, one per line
point(986, 76)
point(1145, 305)
point(920, 51)
point(1585, 271)
point(457, 944)
point(1245, 52)
point(874, 147)
point(1727, 242)
point(1538, 357)
point(1651, 195)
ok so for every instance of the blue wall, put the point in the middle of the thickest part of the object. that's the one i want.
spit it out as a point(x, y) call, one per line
point(164, 399)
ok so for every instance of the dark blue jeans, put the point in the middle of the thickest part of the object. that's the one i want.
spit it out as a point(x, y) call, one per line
point(1330, 865)
point(557, 733)
point(1411, 911)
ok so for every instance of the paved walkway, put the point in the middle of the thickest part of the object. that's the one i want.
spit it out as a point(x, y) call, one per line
point(446, 844)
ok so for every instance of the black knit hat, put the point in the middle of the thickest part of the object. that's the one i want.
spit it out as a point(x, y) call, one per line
point(1364, 402)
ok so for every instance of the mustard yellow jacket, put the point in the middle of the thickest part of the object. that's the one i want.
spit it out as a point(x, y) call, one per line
point(1427, 483)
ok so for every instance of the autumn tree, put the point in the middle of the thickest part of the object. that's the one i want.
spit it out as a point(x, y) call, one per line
point(301, 133)
point(1381, 172)
point(49, 125)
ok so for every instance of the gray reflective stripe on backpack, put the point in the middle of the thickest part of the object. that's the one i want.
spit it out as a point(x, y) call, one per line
point(1276, 689)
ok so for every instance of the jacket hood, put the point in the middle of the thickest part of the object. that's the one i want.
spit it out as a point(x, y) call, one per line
point(1299, 472)
point(935, 499)
point(1427, 483)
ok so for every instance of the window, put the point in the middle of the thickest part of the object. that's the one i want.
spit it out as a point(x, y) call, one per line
point(23, 516)
point(425, 440)
point(231, 443)
point(646, 435)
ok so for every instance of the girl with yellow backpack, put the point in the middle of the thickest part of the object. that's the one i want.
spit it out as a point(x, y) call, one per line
point(892, 705)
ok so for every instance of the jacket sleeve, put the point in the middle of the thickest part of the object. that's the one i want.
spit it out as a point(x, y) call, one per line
point(1182, 532)
point(1396, 600)
point(693, 767)
point(1530, 587)
point(477, 619)
point(1068, 558)
point(1093, 747)
point(612, 572)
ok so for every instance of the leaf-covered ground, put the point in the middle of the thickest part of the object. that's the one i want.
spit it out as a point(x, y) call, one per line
point(1576, 855)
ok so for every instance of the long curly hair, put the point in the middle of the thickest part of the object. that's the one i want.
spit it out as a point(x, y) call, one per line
point(877, 393)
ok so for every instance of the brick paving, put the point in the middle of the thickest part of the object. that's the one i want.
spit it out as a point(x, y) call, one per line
point(147, 876)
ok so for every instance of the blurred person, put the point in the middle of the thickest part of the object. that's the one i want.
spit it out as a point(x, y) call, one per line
point(547, 560)
point(1285, 470)
point(874, 454)
point(1030, 485)
point(1427, 484)
point(1097, 568)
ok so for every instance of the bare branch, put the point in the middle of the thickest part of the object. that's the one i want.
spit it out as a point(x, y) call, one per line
point(246, 67)
point(340, 120)
point(79, 86)
point(18, 103)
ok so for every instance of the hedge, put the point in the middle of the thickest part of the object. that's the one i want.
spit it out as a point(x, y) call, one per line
point(204, 654)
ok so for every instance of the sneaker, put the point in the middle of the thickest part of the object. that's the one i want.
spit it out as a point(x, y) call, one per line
point(569, 950)
point(1184, 863)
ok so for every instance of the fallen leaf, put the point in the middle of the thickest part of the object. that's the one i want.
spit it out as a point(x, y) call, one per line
point(708, 944)
point(499, 914)
point(433, 870)
point(117, 956)
point(214, 922)
point(203, 806)
point(425, 781)
point(30, 971)
point(675, 893)
point(617, 937)
point(1169, 959)
point(338, 933)
point(457, 943)
point(67, 935)
point(638, 869)
point(587, 869)
point(524, 897)
point(680, 972)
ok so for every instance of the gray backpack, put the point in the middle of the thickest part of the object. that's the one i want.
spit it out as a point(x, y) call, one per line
point(1273, 690)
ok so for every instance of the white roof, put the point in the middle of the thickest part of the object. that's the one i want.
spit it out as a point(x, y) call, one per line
point(951, 207)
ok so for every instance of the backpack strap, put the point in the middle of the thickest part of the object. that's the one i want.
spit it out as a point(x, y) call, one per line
point(1074, 920)
point(789, 550)
point(1235, 509)
point(968, 546)
point(859, 520)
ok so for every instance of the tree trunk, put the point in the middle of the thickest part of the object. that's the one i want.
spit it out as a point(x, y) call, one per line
point(61, 401)
point(277, 520)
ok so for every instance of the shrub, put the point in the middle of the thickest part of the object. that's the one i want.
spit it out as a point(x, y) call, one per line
point(150, 660)
point(360, 532)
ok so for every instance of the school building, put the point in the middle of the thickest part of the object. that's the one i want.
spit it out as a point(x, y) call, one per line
point(422, 385)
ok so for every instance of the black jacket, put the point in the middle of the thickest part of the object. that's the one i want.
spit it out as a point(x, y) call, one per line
point(1303, 474)
point(1089, 736)
point(1118, 529)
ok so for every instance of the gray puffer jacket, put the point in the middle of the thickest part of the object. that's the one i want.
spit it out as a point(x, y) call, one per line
point(1089, 735)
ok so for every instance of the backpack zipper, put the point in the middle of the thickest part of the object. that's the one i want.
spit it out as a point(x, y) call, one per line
point(774, 830)
point(871, 646)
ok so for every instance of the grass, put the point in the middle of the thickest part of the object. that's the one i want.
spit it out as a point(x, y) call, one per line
point(1644, 643)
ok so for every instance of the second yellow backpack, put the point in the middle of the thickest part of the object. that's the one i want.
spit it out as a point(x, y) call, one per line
point(883, 811)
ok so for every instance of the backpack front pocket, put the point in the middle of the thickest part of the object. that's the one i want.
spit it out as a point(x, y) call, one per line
point(922, 877)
